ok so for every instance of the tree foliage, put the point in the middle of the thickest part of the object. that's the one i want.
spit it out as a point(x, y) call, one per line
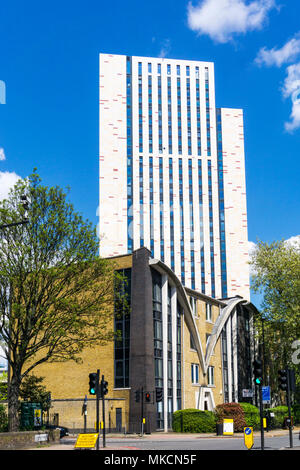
point(276, 275)
point(55, 291)
point(32, 390)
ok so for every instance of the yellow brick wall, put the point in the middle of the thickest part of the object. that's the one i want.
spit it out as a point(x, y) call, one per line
point(191, 357)
point(69, 381)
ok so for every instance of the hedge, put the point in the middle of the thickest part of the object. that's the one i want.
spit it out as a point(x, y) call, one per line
point(3, 419)
point(251, 414)
point(192, 420)
point(231, 411)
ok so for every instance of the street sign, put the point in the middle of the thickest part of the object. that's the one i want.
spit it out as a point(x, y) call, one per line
point(247, 393)
point(228, 426)
point(248, 437)
point(37, 419)
point(86, 441)
point(266, 395)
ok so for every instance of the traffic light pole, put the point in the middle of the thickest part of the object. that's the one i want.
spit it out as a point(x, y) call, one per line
point(103, 416)
point(261, 412)
point(288, 399)
point(142, 411)
point(97, 408)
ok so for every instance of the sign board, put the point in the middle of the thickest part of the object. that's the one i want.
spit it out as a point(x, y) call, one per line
point(227, 426)
point(41, 437)
point(37, 419)
point(266, 395)
point(87, 441)
point(247, 393)
point(248, 437)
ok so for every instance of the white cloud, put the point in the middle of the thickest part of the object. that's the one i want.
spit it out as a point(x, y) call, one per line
point(2, 154)
point(221, 19)
point(7, 181)
point(291, 88)
point(288, 53)
point(293, 242)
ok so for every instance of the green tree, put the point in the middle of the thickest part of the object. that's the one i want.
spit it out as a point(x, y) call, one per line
point(276, 275)
point(55, 291)
point(32, 390)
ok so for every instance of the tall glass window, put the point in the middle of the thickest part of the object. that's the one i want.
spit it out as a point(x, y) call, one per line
point(198, 112)
point(141, 191)
point(160, 142)
point(122, 327)
point(192, 247)
point(161, 209)
point(211, 229)
point(170, 367)
point(150, 113)
point(179, 122)
point(207, 112)
point(158, 344)
point(171, 212)
point(188, 103)
point(221, 205)
point(179, 356)
point(151, 206)
point(201, 226)
point(169, 115)
point(181, 222)
point(225, 364)
point(140, 108)
point(129, 156)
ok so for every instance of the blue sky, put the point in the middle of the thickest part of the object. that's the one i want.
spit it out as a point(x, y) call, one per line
point(49, 64)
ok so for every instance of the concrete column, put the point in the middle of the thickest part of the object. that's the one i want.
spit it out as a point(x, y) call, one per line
point(229, 354)
point(235, 354)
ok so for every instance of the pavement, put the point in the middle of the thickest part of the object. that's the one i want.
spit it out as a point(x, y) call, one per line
point(68, 442)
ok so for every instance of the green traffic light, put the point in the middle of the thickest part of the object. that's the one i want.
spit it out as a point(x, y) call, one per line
point(258, 381)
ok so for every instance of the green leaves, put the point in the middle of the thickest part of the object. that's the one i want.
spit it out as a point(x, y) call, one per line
point(55, 292)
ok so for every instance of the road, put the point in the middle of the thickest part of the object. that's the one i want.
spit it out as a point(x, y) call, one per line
point(189, 442)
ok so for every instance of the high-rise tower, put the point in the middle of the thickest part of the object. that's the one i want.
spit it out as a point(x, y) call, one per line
point(172, 175)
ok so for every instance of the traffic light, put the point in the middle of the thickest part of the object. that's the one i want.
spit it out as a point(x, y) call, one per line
point(283, 379)
point(159, 394)
point(257, 371)
point(137, 396)
point(147, 397)
point(93, 383)
point(103, 388)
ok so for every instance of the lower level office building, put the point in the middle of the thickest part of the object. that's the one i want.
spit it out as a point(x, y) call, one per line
point(177, 348)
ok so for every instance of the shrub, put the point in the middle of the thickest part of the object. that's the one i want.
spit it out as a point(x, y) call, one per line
point(192, 420)
point(280, 412)
point(296, 413)
point(3, 419)
point(251, 414)
point(231, 411)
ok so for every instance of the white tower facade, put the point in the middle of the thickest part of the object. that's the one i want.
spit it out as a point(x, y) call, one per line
point(171, 169)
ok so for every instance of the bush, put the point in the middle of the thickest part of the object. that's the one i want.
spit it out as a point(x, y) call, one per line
point(192, 420)
point(231, 411)
point(280, 412)
point(3, 419)
point(251, 414)
point(296, 413)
